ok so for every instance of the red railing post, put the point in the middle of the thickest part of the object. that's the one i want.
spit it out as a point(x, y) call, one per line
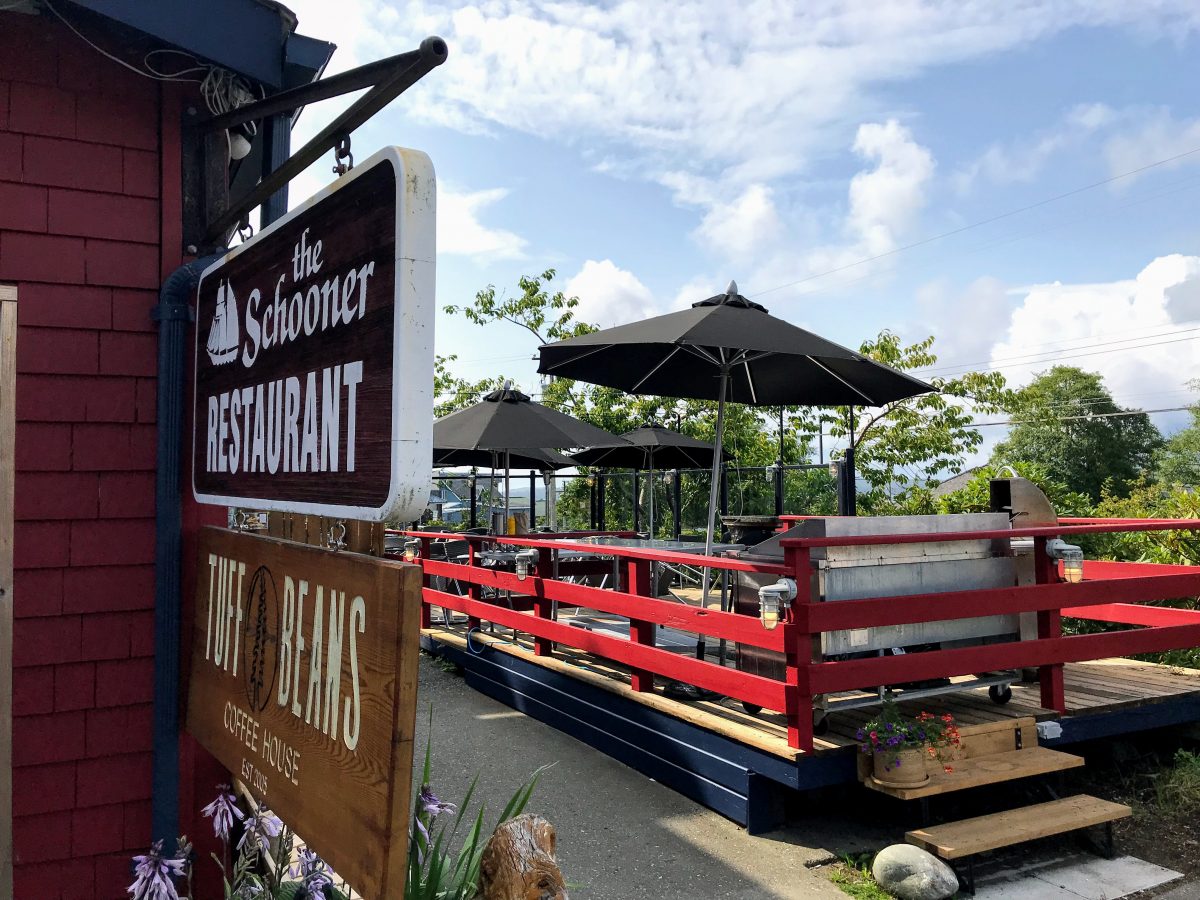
point(426, 609)
point(473, 622)
point(1050, 677)
point(637, 581)
point(799, 653)
point(541, 606)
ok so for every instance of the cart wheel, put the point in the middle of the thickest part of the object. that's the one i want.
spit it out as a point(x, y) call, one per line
point(751, 708)
point(1000, 695)
point(821, 726)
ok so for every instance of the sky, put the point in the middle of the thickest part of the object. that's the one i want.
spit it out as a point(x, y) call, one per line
point(1018, 179)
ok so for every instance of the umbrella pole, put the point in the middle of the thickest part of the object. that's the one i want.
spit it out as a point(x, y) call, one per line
point(507, 460)
point(650, 514)
point(712, 497)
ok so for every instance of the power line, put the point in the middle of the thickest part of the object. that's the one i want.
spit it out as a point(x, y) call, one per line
point(979, 223)
point(1066, 353)
point(1116, 415)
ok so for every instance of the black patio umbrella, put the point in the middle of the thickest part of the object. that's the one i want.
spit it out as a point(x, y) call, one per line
point(651, 447)
point(508, 420)
point(541, 459)
point(727, 348)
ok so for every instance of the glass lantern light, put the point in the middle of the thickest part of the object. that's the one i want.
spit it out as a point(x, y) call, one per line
point(525, 560)
point(773, 600)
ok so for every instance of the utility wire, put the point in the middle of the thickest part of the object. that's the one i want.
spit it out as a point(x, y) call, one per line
point(1116, 415)
point(1052, 356)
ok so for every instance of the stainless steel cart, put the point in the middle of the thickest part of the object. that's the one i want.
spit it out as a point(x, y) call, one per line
point(893, 570)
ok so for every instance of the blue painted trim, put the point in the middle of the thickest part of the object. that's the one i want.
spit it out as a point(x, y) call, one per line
point(242, 35)
point(1159, 714)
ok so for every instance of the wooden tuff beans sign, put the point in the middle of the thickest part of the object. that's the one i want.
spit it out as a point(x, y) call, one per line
point(314, 353)
point(304, 684)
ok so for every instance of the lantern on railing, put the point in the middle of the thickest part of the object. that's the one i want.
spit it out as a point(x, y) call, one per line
point(773, 600)
point(412, 549)
point(1071, 556)
point(525, 560)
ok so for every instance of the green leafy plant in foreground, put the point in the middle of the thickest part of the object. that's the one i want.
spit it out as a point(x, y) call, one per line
point(437, 871)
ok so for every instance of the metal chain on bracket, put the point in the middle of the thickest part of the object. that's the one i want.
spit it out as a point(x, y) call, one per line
point(340, 152)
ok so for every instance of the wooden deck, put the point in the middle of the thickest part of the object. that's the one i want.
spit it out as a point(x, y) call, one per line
point(1104, 686)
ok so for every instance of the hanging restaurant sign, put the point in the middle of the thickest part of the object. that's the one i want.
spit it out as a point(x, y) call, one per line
point(314, 353)
point(304, 685)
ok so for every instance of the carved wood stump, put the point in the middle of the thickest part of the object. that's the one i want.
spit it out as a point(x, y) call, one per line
point(518, 862)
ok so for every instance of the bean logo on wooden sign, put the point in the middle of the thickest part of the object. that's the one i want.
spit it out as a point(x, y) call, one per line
point(314, 353)
point(304, 684)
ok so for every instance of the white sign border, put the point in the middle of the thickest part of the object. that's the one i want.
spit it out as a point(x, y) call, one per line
point(412, 343)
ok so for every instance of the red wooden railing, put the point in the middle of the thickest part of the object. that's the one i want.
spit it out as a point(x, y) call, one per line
point(1110, 592)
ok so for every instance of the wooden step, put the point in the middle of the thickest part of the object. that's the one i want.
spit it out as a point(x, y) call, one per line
point(955, 840)
point(981, 770)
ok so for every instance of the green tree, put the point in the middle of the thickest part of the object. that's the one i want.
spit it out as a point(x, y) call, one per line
point(1178, 460)
point(1068, 422)
point(902, 448)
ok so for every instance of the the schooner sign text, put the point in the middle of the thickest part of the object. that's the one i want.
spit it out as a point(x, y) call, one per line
point(314, 348)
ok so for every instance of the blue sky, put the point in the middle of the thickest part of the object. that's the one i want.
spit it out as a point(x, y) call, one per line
point(651, 152)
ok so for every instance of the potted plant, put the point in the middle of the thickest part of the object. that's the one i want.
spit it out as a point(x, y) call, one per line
point(901, 745)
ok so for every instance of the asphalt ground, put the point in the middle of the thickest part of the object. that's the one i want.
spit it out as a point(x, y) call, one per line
point(620, 835)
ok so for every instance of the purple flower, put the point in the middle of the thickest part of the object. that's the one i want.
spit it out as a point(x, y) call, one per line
point(154, 875)
point(313, 872)
point(860, 735)
point(889, 726)
point(431, 805)
point(261, 828)
point(223, 811)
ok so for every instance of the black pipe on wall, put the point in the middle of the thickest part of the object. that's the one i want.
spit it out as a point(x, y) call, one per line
point(172, 314)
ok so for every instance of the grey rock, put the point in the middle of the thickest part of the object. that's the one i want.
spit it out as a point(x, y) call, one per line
point(910, 873)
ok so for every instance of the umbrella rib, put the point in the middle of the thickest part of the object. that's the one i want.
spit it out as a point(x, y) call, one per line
point(816, 362)
point(699, 351)
point(750, 382)
point(575, 359)
point(652, 372)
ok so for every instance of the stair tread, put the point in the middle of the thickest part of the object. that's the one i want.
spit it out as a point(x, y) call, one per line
point(954, 840)
point(983, 770)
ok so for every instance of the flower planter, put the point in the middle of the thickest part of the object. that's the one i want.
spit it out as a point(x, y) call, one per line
point(900, 769)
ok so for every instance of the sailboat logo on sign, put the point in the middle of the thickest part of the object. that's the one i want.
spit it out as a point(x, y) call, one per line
point(224, 336)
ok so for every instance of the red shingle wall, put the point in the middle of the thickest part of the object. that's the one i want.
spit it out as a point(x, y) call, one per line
point(86, 237)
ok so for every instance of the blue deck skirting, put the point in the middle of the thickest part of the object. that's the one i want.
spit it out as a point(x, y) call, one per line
point(747, 785)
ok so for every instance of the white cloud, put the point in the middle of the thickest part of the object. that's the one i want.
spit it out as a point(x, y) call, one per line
point(1149, 136)
point(609, 295)
point(964, 322)
point(748, 89)
point(1131, 137)
point(460, 232)
point(1092, 326)
point(884, 202)
point(745, 228)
